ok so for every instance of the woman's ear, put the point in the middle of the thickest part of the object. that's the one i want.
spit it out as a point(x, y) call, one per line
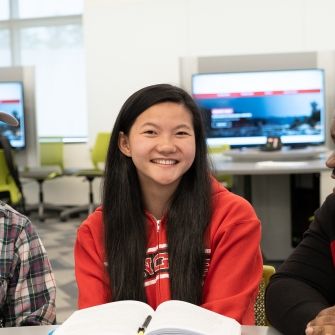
point(124, 144)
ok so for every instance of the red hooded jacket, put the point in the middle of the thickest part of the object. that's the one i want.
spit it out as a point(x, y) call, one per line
point(233, 268)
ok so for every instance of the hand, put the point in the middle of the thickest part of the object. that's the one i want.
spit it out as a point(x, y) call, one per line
point(323, 324)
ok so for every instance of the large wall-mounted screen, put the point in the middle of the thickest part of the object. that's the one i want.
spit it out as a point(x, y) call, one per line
point(11, 101)
point(243, 109)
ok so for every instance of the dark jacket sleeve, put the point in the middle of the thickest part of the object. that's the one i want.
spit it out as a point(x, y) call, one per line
point(305, 283)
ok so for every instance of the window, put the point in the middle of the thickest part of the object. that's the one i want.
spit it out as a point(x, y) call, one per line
point(4, 48)
point(4, 9)
point(47, 34)
point(42, 8)
point(60, 78)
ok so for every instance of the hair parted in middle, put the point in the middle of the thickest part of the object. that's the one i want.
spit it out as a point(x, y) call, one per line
point(187, 217)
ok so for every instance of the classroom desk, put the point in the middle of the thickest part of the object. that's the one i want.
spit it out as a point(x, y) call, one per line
point(43, 330)
point(267, 185)
point(253, 330)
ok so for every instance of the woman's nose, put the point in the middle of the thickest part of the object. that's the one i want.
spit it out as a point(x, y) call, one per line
point(166, 145)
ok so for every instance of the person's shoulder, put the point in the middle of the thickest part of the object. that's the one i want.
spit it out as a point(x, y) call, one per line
point(93, 223)
point(222, 195)
point(330, 200)
point(218, 190)
point(327, 209)
point(325, 215)
point(12, 216)
point(230, 209)
point(13, 224)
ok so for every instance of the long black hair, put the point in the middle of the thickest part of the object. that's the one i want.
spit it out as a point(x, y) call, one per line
point(123, 212)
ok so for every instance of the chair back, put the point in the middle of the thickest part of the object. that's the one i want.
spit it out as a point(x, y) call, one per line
point(7, 182)
point(52, 153)
point(100, 148)
point(259, 308)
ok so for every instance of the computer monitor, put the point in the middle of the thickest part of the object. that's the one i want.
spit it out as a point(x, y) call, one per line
point(11, 101)
point(243, 109)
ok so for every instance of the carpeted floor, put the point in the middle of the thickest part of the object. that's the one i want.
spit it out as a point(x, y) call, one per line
point(58, 239)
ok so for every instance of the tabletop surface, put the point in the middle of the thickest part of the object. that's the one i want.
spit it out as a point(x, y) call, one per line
point(43, 330)
point(222, 164)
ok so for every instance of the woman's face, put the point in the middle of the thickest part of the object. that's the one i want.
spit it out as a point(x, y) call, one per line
point(161, 144)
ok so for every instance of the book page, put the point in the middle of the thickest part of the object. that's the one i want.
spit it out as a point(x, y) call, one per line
point(117, 318)
point(179, 317)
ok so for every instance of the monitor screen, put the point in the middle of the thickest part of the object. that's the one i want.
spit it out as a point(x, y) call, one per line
point(243, 109)
point(11, 102)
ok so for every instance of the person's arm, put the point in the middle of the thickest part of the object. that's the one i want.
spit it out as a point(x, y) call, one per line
point(305, 283)
point(90, 269)
point(31, 291)
point(235, 270)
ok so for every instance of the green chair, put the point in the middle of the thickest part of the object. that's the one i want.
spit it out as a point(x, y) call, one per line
point(11, 187)
point(8, 187)
point(226, 180)
point(99, 150)
point(51, 167)
point(259, 308)
point(98, 158)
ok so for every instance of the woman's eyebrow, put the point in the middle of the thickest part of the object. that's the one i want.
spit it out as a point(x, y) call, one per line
point(184, 126)
point(152, 124)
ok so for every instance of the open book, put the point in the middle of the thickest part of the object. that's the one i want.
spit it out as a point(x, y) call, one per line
point(128, 318)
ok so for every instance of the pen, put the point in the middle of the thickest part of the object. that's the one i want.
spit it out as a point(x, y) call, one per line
point(146, 322)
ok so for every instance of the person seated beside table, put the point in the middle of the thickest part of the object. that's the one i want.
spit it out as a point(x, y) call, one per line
point(300, 297)
point(27, 284)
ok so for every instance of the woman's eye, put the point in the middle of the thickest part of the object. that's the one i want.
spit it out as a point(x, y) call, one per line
point(182, 133)
point(149, 132)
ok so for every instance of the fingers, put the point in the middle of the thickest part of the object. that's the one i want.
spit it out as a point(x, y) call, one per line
point(327, 311)
point(320, 330)
point(323, 324)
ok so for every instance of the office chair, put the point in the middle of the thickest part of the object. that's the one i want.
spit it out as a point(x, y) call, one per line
point(225, 179)
point(9, 190)
point(259, 308)
point(10, 185)
point(51, 160)
point(98, 158)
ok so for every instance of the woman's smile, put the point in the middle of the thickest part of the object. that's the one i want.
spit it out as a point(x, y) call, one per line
point(164, 161)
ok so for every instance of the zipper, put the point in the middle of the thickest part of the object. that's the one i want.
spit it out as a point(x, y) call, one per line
point(158, 225)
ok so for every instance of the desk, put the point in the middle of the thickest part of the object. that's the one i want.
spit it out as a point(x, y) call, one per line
point(34, 330)
point(267, 185)
point(226, 165)
point(43, 330)
point(253, 330)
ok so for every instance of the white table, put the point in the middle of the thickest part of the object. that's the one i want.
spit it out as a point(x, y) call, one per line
point(224, 164)
point(43, 330)
point(253, 330)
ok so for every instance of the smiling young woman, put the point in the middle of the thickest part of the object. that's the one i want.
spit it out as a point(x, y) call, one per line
point(167, 229)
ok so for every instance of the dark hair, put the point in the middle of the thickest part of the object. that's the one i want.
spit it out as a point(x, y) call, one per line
point(187, 216)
